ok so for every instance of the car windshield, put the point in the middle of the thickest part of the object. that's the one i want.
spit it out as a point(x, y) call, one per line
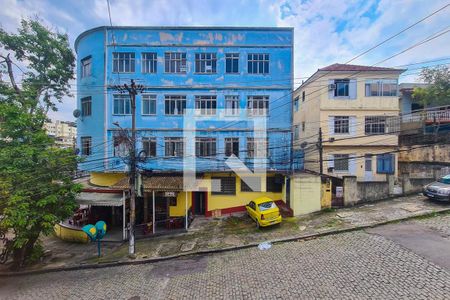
point(266, 205)
point(445, 179)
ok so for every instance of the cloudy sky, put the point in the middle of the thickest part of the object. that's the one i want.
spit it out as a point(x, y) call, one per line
point(325, 31)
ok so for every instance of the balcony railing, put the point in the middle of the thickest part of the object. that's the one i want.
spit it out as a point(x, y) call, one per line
point(431, 115)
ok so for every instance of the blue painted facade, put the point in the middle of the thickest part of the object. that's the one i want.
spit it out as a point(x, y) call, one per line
point(99, 44)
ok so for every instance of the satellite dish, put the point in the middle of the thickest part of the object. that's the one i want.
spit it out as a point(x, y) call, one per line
point(77, 113)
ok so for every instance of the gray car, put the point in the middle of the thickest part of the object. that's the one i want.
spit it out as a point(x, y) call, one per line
point(439, 190)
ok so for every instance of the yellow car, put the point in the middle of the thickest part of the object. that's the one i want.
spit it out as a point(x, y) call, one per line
point(264, 212)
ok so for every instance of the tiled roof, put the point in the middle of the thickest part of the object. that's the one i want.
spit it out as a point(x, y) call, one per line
point(346, 67)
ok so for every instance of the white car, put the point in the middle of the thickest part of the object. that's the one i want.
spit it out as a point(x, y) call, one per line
point(439, 190)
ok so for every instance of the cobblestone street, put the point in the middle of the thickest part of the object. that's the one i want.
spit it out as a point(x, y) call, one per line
point(355, 265)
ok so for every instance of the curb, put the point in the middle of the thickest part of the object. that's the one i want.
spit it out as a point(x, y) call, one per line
point(221, 250)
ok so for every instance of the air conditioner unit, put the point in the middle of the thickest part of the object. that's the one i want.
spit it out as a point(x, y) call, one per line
point(331, 87)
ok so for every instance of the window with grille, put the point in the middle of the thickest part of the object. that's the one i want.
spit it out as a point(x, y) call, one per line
point(86, 106)
point(86, 67)
point(381, 87)
point(303, 96)
point(296, 132)
point(341, 162)
point(341, 124)
point(258, 105)
point(231, 105)
point(174, 146)
point(368, 162)
point(257, 147)
point(250, 184)
point(149, 146)
point(274, 184)
point(175, 104)
point(223, 185)
point(149, 62)
point(375, 125)
point(205, 147)
point(205, 63)
point(205, 105)
point(123, 62)
point(120, 147)
point(122, 104)
point(149, 104)
point(258, 63)
point(175, 62)
point(232, 63)
point(231, 146)
point(86, 145)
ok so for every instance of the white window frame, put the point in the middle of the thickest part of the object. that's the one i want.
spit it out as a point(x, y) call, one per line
point(339, 124)
point(120, 148)
point(232, 105)
point(173, 146)
point(123, 104)
point(258, 105)
point(124, 62)
point(258, 63)
point(257, 147)
point(375, 125)
point(230, 144)
point(86, 145)
point(296, 132)
point(149, 62)
point(338, 82)
point(86, 106)
point(147, 101)
point(179, 102)
point(147, 144)
point(86, 67)
point(205, 63)
point(206, 105)
point(380, 87)
point(205, 147)
point(175, 62)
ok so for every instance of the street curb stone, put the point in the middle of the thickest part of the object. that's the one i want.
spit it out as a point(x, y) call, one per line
point(226, 249)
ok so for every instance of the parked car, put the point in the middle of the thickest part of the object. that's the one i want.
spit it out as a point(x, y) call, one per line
point(439, 190)
point(264, 212)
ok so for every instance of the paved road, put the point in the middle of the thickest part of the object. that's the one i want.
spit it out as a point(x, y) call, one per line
point(377, 264)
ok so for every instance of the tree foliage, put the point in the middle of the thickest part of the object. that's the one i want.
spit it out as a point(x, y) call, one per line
point(36, 189)
point(438, 91)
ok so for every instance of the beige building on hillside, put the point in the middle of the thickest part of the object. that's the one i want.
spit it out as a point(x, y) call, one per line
point(353, 105)
point(64, 132)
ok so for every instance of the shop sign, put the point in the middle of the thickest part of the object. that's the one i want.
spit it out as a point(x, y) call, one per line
point(170, 194)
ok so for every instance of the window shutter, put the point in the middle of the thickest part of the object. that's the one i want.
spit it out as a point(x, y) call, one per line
point(331, 125)
point(352, 124)
point(380, 164)
point(352, 164)
point(330, 92)
point(352, 89)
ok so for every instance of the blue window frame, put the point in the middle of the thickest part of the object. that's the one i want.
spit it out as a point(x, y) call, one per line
point(385, 164)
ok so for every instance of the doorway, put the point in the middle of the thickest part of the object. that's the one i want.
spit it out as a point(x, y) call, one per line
point(199, 203)
point(368, 174)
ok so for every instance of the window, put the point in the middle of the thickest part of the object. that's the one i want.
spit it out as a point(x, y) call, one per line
point(381, 87)
point(149, 62)
point(258, 105)
point(175, 62)
point(86, 106)
point(274, 184)
point(303, 96)
point(223, 185)
point(385, 164)
point(296, 104)
point(205, 147)
point(250, 184)
point(232, 146)
point(341, 124)
point(86, 145)
point(205, 63)
point(205, 105)
point(296, 132)
point(86, 67)
point(149, 104)
point(257, 147)
point(375, 125)
point(175, 104)
point(174, 146)
point(303, 126)
point(232, 63)
point(123, 62)
point(231, 105)
point(122, 104)
point(341, 162)
point(342, 87)
point(368, 162)
point(120, 147)
point(149, 146)
point(258, 63)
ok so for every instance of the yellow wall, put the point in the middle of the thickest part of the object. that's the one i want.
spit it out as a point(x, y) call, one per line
point(105, 179)
point(240, 199)
point(305, 194)
point(70, 234)
point(179, 210)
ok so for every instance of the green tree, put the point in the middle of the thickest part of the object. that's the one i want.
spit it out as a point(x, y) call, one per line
point(438, 91)
point(36, 189)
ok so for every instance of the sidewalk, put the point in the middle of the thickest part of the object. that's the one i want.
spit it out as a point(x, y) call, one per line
point(209, 234)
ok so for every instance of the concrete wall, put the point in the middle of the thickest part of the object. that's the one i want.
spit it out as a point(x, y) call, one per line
point(305, 193)
point(350, 190)
point(372, 191)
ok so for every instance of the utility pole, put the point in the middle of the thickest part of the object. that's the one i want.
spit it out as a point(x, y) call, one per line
point(132, 90)
point(320, 146)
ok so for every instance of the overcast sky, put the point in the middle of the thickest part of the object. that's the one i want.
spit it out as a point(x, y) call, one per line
point(326, 32)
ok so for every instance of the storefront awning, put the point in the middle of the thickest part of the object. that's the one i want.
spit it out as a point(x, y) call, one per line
point(99, 199)
point(155, 183)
